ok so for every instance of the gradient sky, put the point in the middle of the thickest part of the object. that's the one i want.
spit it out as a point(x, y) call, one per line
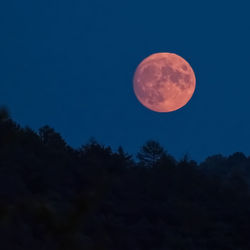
point(70, 64)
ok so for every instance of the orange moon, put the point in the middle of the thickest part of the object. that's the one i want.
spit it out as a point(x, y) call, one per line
point(164, 82)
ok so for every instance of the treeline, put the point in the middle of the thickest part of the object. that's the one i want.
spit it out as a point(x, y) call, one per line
point(53, 196)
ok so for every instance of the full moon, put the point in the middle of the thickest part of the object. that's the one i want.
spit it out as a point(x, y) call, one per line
point(164, 82)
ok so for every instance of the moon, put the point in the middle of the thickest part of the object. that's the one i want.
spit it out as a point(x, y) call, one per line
point(164, 82)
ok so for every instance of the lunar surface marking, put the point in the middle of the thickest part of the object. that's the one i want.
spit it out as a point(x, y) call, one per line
point(164, 82)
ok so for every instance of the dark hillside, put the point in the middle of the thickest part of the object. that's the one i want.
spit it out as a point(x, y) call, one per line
point(55, 197)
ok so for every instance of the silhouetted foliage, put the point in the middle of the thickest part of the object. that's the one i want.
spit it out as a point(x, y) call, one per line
point(150, 153)
point(51, 138)
point(4, 114)
point(55, 197)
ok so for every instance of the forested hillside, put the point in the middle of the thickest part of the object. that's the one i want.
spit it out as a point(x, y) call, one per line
point(55, 197)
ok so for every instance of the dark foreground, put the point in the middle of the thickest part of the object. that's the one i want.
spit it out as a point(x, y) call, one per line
point(55, 197)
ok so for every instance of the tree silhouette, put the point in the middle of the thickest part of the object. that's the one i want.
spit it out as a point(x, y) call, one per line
point(4, 114)
point(51, 138)
point(94, 154)
point(123, 159)
point(93, 198)
point(150, 153)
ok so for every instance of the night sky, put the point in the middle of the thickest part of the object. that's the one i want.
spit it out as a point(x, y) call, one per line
point(70, 64)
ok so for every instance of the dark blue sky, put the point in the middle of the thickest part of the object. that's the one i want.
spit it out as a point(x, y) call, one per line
point(70, 64)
